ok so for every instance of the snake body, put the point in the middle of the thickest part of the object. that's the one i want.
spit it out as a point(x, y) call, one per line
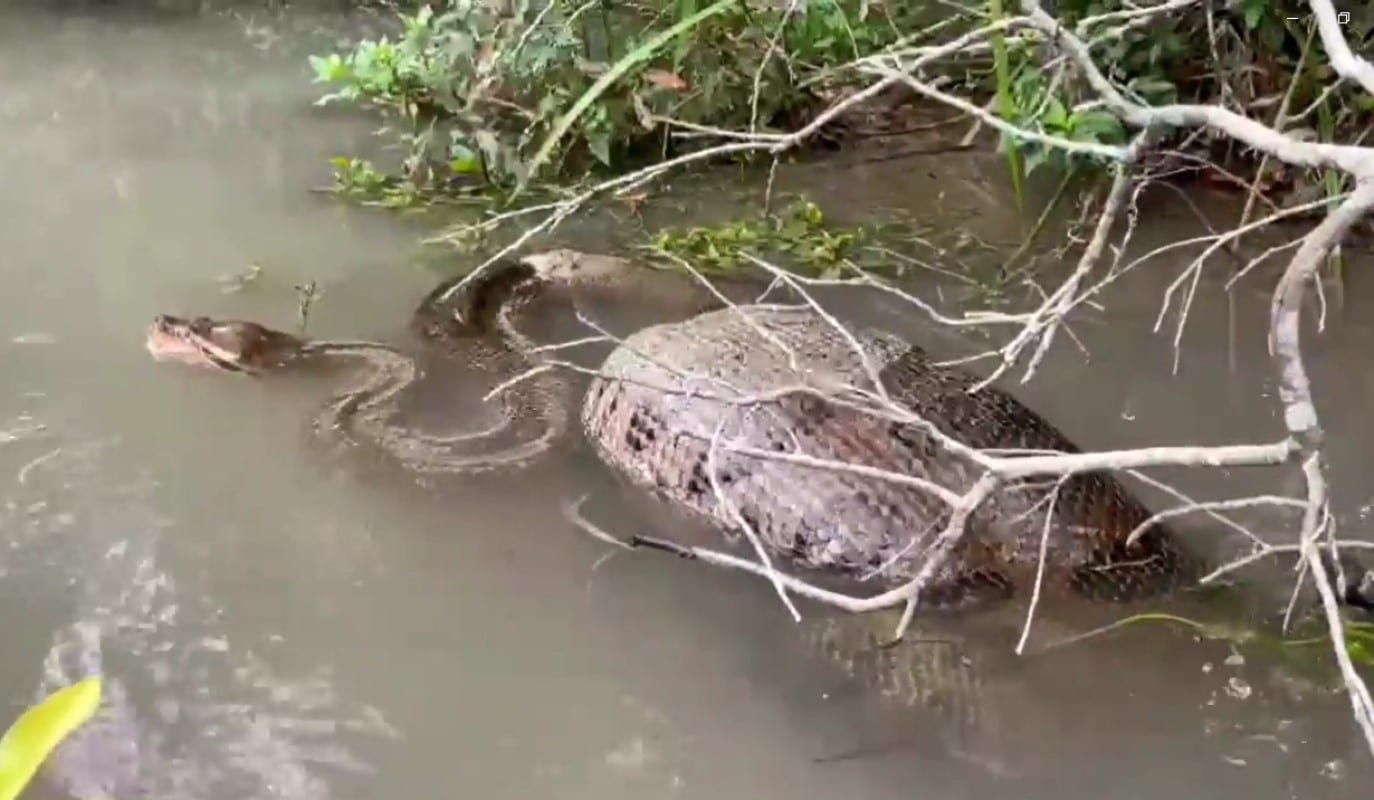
point(478, 327)
point(758, 419)
point(669, 391)
point(481, 326)
point(727, 414)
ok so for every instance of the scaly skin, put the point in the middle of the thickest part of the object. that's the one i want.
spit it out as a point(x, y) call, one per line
point(654, 426)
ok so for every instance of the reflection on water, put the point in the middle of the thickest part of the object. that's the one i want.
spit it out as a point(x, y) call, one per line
point(273, 622)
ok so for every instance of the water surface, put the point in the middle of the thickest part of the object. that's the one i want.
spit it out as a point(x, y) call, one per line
point(275, 620)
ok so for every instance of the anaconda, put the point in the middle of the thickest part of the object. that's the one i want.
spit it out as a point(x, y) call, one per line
point(775, 384)
point(667, 391)
point(479, 325)
point(650, 415)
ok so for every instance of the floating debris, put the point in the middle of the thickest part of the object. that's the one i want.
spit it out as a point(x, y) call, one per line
point(22, 432)
point(34, 337)
point(1238, 689)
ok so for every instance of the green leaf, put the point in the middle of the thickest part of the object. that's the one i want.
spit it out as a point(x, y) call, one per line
point(463, 160)
point(329, 69)
point(599, 142)
point(1099, 126)
point(1359, 652)
point(32, 737)
point(1056, 116)
point(1155, 90)
point(684, 9)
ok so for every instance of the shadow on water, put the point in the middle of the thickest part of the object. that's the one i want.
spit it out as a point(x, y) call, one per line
point(275, 623)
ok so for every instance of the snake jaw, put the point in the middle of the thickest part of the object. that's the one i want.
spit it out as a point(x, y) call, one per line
point(238, 346)
point(178, 339)
point(567, 266)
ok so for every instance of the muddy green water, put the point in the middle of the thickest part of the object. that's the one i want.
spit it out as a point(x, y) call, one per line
point(276, 622)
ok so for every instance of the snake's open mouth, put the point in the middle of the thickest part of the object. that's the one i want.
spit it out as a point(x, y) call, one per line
point(185, 341)
point(231, 346)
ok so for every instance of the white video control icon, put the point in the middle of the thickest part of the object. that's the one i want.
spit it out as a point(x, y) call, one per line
point(1343, 17)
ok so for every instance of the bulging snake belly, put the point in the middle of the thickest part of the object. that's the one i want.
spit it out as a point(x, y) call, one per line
point(668, 391)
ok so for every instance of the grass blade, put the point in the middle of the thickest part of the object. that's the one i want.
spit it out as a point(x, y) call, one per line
point(1006, 104)
point(630, 59)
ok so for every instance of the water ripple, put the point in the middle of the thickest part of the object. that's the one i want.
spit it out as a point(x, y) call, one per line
point(188, 713)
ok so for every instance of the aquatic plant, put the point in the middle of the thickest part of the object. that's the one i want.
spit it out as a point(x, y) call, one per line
point(800, 233)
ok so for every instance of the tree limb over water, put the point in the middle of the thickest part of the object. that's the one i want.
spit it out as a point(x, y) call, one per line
point(1037, 328)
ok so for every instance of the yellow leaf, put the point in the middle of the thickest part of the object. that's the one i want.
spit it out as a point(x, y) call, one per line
point(32, 737)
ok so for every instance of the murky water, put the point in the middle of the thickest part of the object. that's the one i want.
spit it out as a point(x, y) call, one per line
point(276, 622)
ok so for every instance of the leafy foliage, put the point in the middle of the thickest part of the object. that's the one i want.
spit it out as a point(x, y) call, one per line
point(481, 97)
point(1247, 55)
point(478, 95)
point(800, 233)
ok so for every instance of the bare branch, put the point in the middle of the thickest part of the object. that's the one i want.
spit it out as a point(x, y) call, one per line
point(1039, 569)
point(713, 473)
point(1219, 505)
point(1347, 64)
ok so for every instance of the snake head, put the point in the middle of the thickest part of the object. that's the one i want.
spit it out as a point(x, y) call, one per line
point(565, 266)
point(228, 345)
